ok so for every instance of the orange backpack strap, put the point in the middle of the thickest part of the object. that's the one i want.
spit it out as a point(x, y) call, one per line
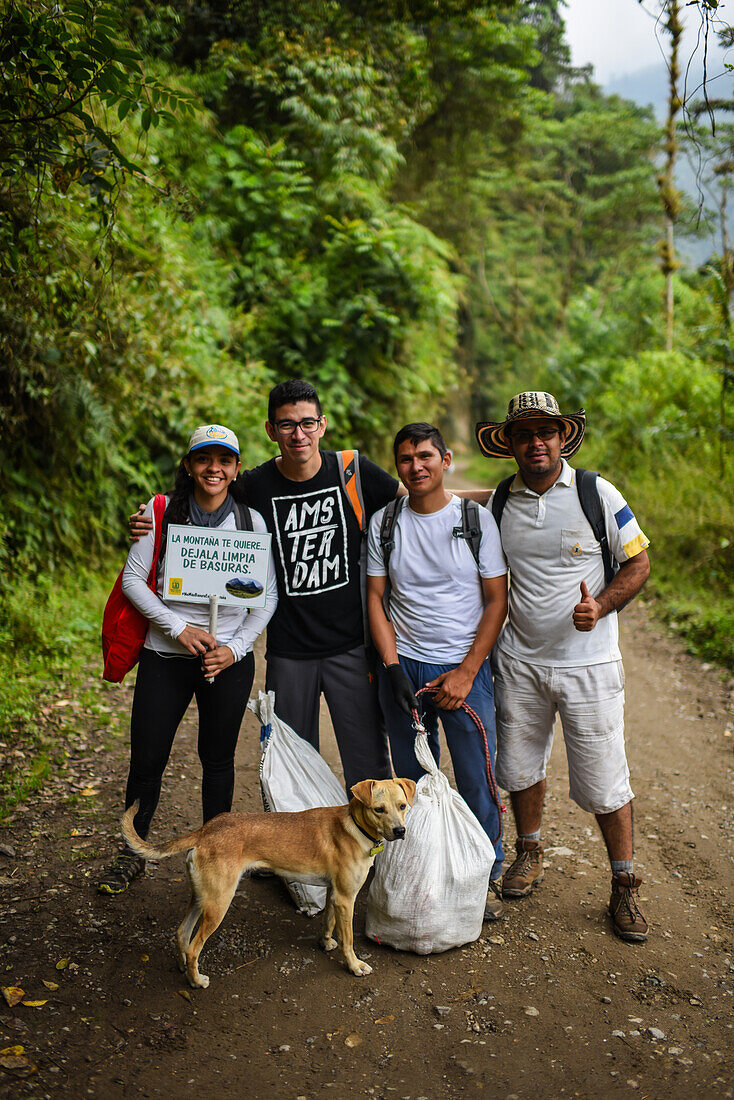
point(351, 483)
point(348, 465)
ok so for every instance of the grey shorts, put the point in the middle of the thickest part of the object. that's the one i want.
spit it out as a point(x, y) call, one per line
point(590, 702)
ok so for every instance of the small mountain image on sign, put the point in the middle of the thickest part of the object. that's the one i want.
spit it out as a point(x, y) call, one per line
point(244, 590)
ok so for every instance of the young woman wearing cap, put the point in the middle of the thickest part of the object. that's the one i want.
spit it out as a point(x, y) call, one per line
point(180, 658)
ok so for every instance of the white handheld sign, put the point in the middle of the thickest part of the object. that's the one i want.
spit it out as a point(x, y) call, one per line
point(202, 562)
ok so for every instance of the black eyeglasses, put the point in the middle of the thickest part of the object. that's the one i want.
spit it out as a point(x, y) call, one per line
point(525, 435)
point(309, 425)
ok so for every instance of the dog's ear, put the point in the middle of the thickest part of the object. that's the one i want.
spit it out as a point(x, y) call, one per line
point(363, 791)
point(409, 787)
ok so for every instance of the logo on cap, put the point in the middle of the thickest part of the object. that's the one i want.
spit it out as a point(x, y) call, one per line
point(215, 432)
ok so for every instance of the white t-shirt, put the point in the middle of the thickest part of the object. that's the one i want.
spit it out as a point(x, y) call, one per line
point(436, 600)
point(550, 549)
point(237, 626)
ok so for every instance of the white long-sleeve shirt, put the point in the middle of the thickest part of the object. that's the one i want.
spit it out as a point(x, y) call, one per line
point(237, 626)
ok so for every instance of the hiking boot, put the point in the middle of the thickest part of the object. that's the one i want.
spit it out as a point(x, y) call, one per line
point(494, 909)
point(125, 867)
point(628, 922)
point(527, 870)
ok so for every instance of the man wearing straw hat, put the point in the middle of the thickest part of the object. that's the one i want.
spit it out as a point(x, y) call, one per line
point(558, 652)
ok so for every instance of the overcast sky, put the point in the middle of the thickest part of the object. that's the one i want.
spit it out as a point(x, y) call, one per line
point(619, 36)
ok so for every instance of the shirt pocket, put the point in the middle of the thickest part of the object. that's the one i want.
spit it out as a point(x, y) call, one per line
point(577, 546)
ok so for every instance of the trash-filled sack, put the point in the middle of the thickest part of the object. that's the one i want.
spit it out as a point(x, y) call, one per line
point(293, 776)
point(429, 891)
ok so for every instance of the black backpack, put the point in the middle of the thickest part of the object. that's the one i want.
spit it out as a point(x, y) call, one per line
point(469, 529)
point(590, 504)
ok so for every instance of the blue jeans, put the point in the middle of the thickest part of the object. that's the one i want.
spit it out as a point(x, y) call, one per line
point(463, 738)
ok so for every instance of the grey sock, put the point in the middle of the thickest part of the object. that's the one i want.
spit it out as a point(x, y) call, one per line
point(622, 865)
point(530, 836)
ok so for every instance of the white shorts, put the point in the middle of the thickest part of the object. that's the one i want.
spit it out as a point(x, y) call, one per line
point(590, 702)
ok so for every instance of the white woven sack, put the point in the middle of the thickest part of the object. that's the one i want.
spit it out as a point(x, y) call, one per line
point(430, 889)
point(293, 776)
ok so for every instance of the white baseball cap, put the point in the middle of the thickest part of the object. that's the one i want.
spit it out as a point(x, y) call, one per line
point(206, 434)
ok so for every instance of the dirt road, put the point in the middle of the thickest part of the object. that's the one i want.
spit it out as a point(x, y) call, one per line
point(547, 1003)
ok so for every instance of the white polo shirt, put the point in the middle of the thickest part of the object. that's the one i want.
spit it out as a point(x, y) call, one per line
point(437, 599)
point(550, 549)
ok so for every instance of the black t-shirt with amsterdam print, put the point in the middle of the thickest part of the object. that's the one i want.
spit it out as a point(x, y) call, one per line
point(316, 548)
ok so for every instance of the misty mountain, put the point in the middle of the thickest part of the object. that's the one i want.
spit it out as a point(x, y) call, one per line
point(648, 86)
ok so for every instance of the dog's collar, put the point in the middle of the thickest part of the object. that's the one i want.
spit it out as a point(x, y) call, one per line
point(378, 845)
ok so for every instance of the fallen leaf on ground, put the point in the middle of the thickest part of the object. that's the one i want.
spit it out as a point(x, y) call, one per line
point(385, 1020)
point(14, 1060)
point(34, 1004)
point(53, 986)
point(62, 964)
point(185, 994)
point(353, 1040)
point(88, 791)
point(12, 994)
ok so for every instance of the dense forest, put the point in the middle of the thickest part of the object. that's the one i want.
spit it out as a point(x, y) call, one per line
point(422, 207)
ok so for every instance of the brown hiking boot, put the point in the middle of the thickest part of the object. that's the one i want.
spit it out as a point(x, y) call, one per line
point(527, 870)
point(629, 923)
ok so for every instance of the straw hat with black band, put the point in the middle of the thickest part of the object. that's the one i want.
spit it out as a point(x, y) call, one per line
point(492, 435)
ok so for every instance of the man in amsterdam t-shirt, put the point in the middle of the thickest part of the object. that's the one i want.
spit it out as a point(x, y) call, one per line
point(315, 640)
point(316, 547)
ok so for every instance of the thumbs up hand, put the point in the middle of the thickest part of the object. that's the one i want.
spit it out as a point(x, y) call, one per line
point(586, 613)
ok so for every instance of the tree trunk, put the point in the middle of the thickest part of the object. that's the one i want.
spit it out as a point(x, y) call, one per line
point(666, 181)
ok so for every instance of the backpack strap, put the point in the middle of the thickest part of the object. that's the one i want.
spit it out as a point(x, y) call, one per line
point(159, 510)
point(499, 498)
point(387, 545)
point(350, 479)
point(351, 482)
point(590, 502)
point(470, 528)
point(243, 516)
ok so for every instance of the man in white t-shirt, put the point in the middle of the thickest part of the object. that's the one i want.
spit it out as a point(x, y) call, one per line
point(446, 609)
point(558, 651)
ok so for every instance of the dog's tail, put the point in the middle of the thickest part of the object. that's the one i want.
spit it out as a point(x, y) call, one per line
point(142, 848)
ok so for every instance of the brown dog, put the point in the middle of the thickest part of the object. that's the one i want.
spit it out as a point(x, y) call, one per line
point(331, 846)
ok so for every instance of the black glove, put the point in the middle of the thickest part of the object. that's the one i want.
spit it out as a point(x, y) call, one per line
point(402, 692)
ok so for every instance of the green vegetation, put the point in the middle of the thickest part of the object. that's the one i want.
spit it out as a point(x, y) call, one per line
point(423, 208)
point(49, 639)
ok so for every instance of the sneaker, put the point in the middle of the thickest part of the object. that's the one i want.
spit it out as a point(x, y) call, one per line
point(628, 922)
point(494, 909)
point(527, 870)
point(125, 867)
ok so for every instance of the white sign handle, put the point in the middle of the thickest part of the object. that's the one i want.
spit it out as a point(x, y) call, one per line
point(213, 618)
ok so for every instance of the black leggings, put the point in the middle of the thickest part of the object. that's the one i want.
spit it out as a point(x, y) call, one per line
point(163, 691)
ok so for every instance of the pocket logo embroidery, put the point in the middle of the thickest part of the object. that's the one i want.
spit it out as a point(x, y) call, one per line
point(576, 551)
